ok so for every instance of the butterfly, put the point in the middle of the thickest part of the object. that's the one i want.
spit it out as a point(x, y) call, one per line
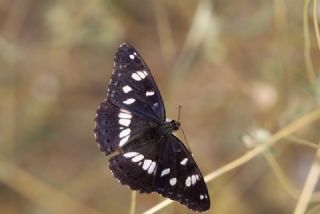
point(132, 123)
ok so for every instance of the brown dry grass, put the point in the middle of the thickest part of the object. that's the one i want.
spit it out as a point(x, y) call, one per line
point(246, 73)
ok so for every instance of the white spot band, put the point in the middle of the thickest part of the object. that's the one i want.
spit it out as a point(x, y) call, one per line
point(129, 101)
point(165, 172)
point(173, 181)
point(184, 161)
point(149, 93)
point(126, 89)
point(124, 122)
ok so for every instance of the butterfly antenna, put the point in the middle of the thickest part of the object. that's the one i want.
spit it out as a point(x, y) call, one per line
point(179, 110)
point(185, 138)
point(184, 135)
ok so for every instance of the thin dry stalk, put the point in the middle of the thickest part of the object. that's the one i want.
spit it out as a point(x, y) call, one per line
point(164, 30)
point(40, 192)
point(307, 46)
point(133, 202)
point(315, 21)
point(309, 186)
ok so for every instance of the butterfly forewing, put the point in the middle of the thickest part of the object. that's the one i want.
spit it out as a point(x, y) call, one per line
point(116, 126)
point(132, 86)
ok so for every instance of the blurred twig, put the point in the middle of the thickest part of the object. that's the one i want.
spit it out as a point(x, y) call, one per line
point(307, 55)
point(283, 179)
point(284, 132)
point(301, 141)
point(309, 186)
point(280, 16)
point(164, 30)
point(133, 202)
point(315, 21)
point(196, 35)
point(281, 25)
point(10, 31)
point(40, 192)
point(314, 210)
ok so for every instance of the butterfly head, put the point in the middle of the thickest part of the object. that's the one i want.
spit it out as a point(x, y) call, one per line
point(175, 125)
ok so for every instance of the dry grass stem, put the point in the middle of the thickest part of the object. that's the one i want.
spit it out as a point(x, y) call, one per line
point(307, 46)
point(297, 140)
point(315, 21)
point(133, 202)
point(167, 43)
point(309, 186)
point(285, 181)
point(196, 34)
point(40, 192)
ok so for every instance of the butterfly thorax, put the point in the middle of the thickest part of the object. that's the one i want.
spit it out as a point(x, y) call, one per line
point(166, 128)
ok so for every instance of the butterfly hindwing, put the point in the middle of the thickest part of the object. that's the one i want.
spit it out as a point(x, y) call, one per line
point(132, 86)
point(116, 126)
point(137, 167)
point(164, 166)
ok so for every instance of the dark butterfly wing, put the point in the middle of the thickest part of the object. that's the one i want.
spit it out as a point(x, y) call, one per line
point(178, 176)
point(136, 167)
point(164, 166)
point(115, 127)
point(132, 86)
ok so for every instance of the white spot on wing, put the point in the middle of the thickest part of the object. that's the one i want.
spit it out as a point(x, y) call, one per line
point(123, 140)
point(201, 197)
point(125, 122)
point(173, 181)
point(124, 133)
point(126, 89)
point(131, 56)
point(137, 158)
point(149, 93)
point(184, 161)
point(152, 167)
point(165, 172)
point(193, 179)
point(188, 181)
point(125, 111)
point(145, 73)
point(129, 101)
point(124, 115)
point(130, 154)
point(136, 77)
point(141, 74)
point(146, 164)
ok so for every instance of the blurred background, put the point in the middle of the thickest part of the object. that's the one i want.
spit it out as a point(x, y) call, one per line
point(242, 71)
